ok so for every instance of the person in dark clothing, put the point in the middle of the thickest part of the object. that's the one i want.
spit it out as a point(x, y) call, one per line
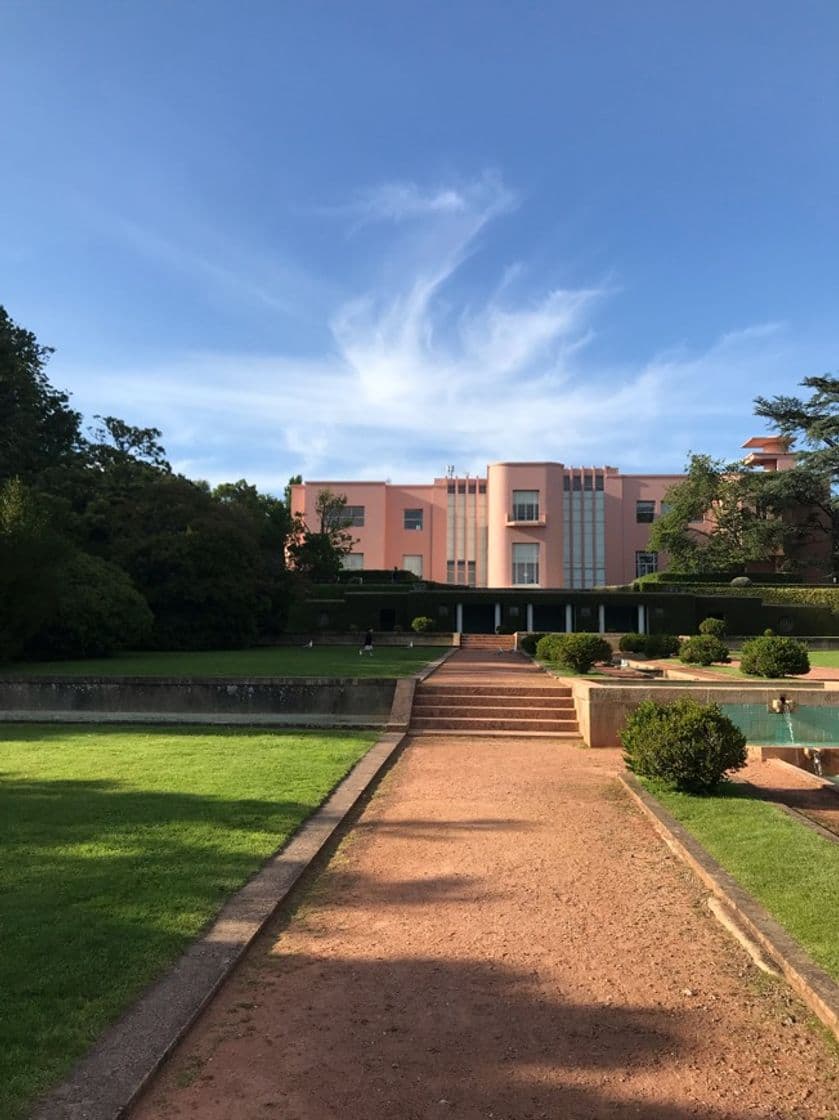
point(368, 643)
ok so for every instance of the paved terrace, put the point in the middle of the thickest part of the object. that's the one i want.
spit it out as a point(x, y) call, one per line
point(501, 937)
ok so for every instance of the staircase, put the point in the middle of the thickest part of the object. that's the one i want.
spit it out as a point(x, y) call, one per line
point(499, 708)
point(491, 642)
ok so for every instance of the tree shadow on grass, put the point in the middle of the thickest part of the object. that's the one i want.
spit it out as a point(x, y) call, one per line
point(101, 887)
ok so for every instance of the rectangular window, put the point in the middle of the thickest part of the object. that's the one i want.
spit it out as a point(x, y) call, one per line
point(353, 562)
point(598, 482)
point(525, 505)
point(525, 563)
point(412, 519)
point(644, 512)
point(450, 571)
point(413, 564)
point(349, 515)
point(645, 562)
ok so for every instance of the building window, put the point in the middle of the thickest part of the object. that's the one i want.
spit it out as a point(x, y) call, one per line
point(525, 505)
point(450, 574)
point(413, 564)
point(353, 562)
point(412, 519)
point(644, 512)
point(525, 563)
point(645, 563)
point(598, 482)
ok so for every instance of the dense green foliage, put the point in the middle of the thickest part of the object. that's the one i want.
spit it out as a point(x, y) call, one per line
point(703, 649)
point(725, 516)
point(685, 745)
point(774, 656)
point(97, 611)
point(119, 845)
point(786, 866)
point(529, 642)
point(715, 626)
point(576, 651)
point(422, 624)
point(650, 645)
point(96, 531)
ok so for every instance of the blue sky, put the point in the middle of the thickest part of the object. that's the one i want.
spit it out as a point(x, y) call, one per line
point(372, 239)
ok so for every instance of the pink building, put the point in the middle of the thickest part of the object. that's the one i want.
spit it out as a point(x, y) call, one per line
point(524, 524)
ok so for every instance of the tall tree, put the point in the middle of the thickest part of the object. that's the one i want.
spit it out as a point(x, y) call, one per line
point(318, 554)
point(38, 428)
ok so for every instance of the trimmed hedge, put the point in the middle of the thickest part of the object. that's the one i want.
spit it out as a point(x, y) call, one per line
point(528, 643)
point(422, 624)
point(687, 745)
point(703, 649)
point(576, 651)
point(650, 645)
point(714, 626)
point(772, 656)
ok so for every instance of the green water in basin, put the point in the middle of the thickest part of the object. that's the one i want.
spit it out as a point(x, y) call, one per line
point(807, 726)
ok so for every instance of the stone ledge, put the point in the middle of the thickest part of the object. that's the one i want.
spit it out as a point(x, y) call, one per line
point(810, 982)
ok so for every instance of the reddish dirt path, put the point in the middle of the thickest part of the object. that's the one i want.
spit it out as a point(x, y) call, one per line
point(502, 937)
point(796, 788)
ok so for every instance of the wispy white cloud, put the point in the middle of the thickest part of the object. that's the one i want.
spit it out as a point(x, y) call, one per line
point(415, 379)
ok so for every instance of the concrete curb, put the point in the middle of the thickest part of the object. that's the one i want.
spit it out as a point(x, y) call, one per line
point(107, 1081)
point(811, 983)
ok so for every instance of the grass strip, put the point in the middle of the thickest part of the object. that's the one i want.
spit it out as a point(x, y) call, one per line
point(118, 846)
point(786, 866)
point(275, 661)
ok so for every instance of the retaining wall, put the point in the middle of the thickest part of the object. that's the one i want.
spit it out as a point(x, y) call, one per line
point(300, 700)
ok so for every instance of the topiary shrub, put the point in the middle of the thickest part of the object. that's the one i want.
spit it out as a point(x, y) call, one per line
point(422, 624)
point(715, 626)
point(528, 642)
point(633, 643)
point(686, 745)
point(650, 645)
point(575, 651)
point(663, 645)
point(703, 649)
point(772, 656)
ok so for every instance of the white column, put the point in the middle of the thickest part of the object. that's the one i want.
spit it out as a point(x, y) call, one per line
point(569, 618)
point(642, 622)
point(529, 622)
point(601, 619)
point(497, 616)
point(459, 618)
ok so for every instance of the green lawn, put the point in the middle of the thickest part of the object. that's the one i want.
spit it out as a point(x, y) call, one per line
point(117, 846)
point(276, 661)
point(825, 657)
point(786, 866)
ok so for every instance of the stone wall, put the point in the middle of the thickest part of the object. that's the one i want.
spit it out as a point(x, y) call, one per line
point(290, 700)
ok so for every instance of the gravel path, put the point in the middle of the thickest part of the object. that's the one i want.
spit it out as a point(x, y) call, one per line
point(501, 937)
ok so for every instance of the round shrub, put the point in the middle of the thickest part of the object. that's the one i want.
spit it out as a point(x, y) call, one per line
point(662, 645)
point(715, 626)
point(772, 656)
point(703, 649)
point(528, 642)
point(575, 651)
point(686, 745)
point(422, 624)
point(633, 643)
point(650, 645)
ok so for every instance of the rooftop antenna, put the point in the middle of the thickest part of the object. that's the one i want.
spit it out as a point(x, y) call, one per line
point(450, 471)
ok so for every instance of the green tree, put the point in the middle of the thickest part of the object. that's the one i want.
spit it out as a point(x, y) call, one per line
point(724, 516)
point(317, 555)
point(37, 426)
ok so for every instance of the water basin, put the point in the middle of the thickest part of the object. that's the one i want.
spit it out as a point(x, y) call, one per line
point(806, 726)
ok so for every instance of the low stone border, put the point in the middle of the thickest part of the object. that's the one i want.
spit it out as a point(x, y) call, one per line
point(810, 982)
point(127, 1055)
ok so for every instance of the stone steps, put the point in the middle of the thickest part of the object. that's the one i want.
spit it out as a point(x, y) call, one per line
point(512, 692)
point(493, 642)
point(496, 711)
point(482, 723)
